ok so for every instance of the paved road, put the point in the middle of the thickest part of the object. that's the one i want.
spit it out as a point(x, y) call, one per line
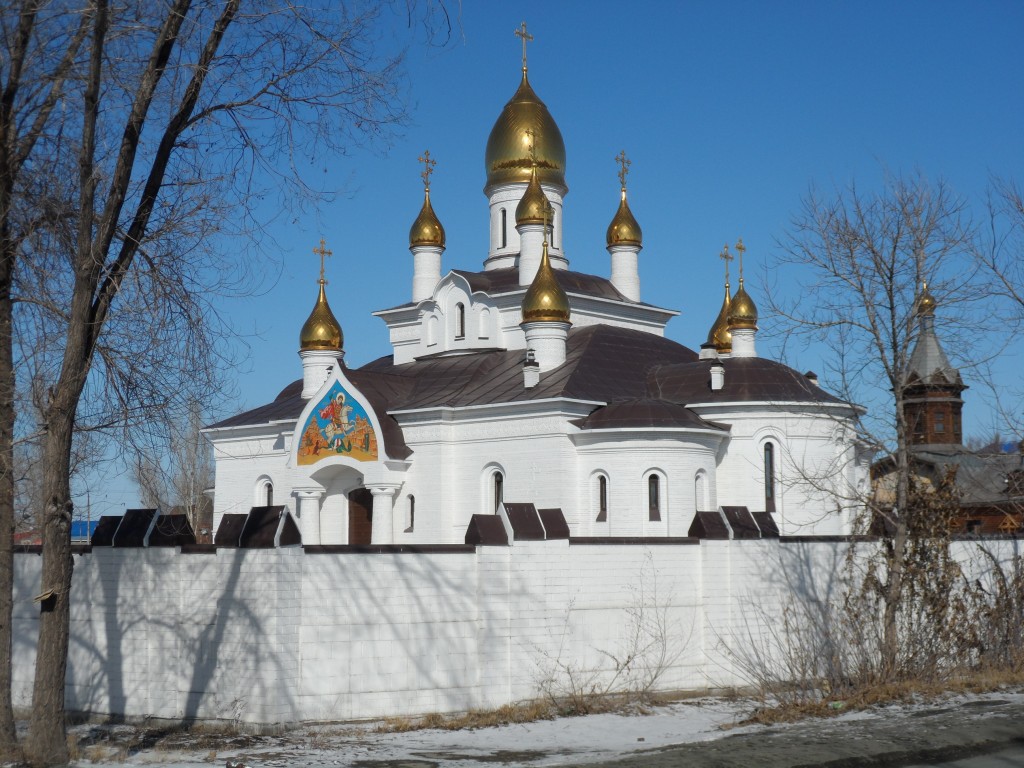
point(982, 734)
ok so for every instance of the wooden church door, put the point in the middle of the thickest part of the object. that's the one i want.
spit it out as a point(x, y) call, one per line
point(360, 516)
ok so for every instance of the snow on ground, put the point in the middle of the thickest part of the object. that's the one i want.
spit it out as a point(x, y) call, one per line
point(592, 738)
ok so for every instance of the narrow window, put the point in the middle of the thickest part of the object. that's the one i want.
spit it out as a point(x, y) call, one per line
point(499, 490)
point(769, 477)
point(270, 495)
point(412, 513)
point(504, 230)
point(553, 227)
point(698, 491)
point(918, 425)
point(460, 321)
point(940, 422)
point(602, 498)
point(653, 498)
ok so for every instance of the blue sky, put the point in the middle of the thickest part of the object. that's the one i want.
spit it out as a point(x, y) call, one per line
point(728, 111)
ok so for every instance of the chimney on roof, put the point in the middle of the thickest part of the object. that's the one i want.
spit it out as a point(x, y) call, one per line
point(813, 378)
point(531, 370)
point(717, 376)
point(708, 351)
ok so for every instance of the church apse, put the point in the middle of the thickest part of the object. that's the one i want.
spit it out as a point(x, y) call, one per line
point(337, 426)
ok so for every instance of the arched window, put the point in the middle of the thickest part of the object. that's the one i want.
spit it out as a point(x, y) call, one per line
point(653, 497)
point(553, 209)
point(263, 493)
point(499, 490)
point(412, 514)
point(769, 477)
point(602, 499)
point(460, 321)
point(699, 492)
point(504, 229)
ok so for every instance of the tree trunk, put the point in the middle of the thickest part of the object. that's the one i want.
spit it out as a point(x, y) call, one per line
point(896, 557)
point(47, 740)
point(8, 738)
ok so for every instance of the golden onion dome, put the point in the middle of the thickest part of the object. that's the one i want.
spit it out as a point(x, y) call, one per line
point(925, 302)
point(322, 330)
point(545, 300)
point(525, 121)
point(534, 206)
point(742, 310)
point(720, 335)
point(624, 229)
point(427, 229)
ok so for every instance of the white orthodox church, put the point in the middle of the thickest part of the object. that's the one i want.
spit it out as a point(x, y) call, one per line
point(531, 468)
point(530, 383)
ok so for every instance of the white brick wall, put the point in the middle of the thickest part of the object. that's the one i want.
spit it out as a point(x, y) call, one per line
point(281, 635)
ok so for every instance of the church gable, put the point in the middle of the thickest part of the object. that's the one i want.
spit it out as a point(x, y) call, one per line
point(338, 423)
point(457, 318)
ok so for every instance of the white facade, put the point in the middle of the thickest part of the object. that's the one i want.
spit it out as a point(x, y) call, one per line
point(598, 420)
point(786, 448)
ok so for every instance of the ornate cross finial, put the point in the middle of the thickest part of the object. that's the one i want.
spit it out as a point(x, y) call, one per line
point(531, 136)
point(549, 213)
point(624, 167)
point(428, 168)
point(527, 37)
point(740, 248)
point(726, 257)
point(322, 252)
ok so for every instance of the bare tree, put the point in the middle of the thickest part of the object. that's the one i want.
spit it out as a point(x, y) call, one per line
point(176, 473)
point(859, 261)
point(131, 135)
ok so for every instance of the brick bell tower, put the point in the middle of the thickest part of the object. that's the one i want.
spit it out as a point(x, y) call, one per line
point(931, 401)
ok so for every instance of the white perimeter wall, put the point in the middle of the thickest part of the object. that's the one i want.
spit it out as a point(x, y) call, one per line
point(282, 635)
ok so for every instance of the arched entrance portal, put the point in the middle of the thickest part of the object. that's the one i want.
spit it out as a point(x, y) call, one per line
point(360, 516)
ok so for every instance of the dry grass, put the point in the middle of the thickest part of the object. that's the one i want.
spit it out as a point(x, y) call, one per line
point(904, 692)
point(526, 712)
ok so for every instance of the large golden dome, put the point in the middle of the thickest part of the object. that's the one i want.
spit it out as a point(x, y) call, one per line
point(742, 310)
point(545, 300)
point(427, 229)
point(624, 229)
point(322, 330)
point(720, 335)
point(508, 147)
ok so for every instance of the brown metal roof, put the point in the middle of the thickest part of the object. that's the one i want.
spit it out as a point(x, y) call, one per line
point(645, 412)
point(603, 363)
point(507, 279)
point(747, 379)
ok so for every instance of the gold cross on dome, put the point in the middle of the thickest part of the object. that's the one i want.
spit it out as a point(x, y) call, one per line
point(740, 249)
point(322, 252)
point(527, 37)
point(531, 138)
point(428, 168)
point(624, 169)
point(726, 257)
